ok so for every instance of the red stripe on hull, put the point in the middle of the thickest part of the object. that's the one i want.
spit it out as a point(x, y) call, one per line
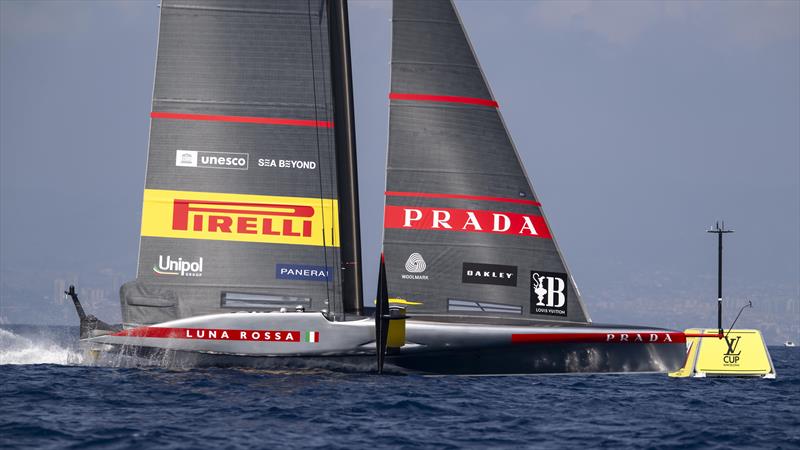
point(242, 119)
point(644, 337)
point(462, 197)
point(444, 99)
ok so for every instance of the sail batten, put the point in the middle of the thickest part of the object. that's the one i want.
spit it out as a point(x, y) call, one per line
point(464, 233)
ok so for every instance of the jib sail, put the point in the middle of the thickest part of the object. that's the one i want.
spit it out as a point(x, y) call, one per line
point(465, 234)
point(240, 202)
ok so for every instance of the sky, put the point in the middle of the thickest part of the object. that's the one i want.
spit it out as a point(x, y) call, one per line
point(639, 123)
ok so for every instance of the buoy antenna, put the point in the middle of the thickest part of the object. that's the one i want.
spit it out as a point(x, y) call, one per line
point(719, 230)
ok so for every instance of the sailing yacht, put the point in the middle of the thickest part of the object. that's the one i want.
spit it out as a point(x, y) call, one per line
point(250, 240)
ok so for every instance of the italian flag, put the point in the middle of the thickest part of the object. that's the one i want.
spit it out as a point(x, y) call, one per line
point(311, 336)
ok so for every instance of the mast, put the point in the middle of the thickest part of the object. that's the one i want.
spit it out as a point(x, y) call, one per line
point(719, 231)
point(346, 168)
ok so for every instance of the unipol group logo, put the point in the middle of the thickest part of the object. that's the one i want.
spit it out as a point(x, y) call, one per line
point(168, 265)
point(465, 220)
point(212, 160)
point(549, 293)
point(234, 217)
point(415, 266)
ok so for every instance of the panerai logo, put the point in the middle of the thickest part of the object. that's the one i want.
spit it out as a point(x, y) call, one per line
point(731, 356)
point(549, 292)
point(167, 265)
point(415, 266)
point(489, 274)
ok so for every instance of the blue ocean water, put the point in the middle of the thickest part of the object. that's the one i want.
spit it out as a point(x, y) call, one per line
point(48, 399)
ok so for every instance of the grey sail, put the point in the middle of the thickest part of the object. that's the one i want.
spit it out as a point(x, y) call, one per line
point(240, 206)
point(465, 236)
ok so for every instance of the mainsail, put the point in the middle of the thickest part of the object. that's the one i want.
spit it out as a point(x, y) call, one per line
point(240, 206)
point(464, 233)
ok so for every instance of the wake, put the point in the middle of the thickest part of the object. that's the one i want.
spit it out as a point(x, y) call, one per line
point(18, 350)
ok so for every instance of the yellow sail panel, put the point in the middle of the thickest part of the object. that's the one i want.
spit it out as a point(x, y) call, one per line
point(238, 217)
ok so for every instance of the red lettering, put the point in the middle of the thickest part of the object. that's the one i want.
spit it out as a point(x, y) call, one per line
point(287, 229)
point(198, 223)
point(221, 223)
point(246, 225)
point(266, 227)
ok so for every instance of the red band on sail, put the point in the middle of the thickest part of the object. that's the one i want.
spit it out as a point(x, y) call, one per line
point(242, 119)
point(444, 99)
point(462, 197)
point(464, 220)
point(629, 337)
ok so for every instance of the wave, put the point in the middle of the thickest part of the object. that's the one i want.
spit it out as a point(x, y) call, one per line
point(20, 350)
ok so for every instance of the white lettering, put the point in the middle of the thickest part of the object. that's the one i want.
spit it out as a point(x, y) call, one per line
point(472, 221)
point(441, 218)
point(417, 215)
point(497, 219)
point(529, 226)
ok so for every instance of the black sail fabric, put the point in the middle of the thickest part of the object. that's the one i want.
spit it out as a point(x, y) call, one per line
point(240, 202)
point(464, 234)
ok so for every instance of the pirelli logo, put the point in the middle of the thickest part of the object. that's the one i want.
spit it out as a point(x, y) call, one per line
point(236, 217)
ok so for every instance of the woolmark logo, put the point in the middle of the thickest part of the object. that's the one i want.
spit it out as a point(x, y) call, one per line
point(167, 265)
point(212, 160)
point(415, 265)
point(549, 293)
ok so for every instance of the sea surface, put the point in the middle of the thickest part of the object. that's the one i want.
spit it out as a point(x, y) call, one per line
point(50, 399)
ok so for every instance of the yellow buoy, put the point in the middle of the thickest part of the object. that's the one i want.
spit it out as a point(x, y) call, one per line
point(740, 353)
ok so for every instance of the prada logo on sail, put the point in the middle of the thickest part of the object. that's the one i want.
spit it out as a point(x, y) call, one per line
point(465, 220)
point(549, 293)
point(489, 274)
point(235, 217)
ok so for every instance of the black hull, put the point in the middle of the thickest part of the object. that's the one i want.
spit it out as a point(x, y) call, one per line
point(527, 359)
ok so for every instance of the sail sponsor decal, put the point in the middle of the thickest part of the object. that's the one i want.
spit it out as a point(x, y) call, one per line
point(220, 334)
point(415, 266)
point(549, 292)
point(287, 163)
point(238, 217)
point(465, 220)
point(212, 160)
point(169, 265)
point(614, 337)
point(302, 272)
point(478, 273)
